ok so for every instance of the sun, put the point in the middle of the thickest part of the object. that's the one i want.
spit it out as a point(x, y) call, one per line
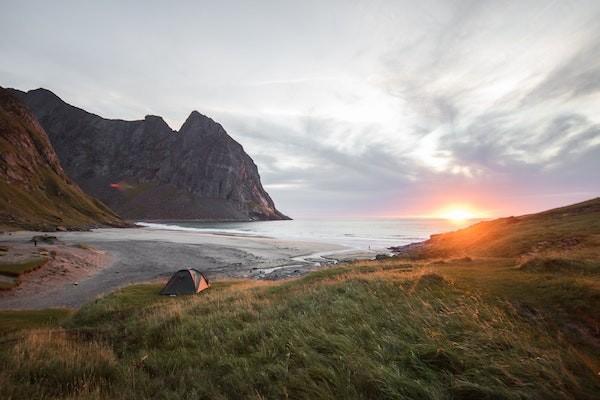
point(458, 214)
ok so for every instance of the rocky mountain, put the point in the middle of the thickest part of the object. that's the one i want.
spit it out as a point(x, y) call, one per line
point(145, 170)
point(35, 192)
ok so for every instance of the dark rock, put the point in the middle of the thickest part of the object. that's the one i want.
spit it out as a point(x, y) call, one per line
point(44, 239)
point(145, 170)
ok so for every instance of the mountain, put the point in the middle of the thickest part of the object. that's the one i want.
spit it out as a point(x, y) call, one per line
point(561, 229)
point(35, 193)
point(145, 170)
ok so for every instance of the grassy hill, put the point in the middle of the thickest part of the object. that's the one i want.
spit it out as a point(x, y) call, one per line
point(562, 229)
point(477, 327)
point(35, 193)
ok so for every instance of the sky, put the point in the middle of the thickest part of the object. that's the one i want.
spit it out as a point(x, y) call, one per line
point(349, 108)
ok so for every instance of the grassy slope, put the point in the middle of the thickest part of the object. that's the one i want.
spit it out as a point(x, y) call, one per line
point(409, 328)
point(546, 264)
point(371, 330)
point(13, 321)
point(566, 228)
point(43, 210)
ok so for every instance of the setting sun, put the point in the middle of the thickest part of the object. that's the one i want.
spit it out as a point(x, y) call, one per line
point(458, 213)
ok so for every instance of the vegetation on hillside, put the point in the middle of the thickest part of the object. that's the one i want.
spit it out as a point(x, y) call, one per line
point(561, 229)
point(366, 330)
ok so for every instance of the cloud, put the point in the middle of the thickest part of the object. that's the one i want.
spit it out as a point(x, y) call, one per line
point(347, 108)
point(577, 76)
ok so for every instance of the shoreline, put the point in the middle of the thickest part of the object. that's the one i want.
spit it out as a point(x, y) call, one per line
point(144, 254)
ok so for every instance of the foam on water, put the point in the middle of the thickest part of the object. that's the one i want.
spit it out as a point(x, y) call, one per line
point(359, 234)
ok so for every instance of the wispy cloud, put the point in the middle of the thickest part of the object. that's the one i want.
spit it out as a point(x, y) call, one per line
point(385, 107)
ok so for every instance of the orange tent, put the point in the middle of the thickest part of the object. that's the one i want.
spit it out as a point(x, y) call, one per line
point(185, 281)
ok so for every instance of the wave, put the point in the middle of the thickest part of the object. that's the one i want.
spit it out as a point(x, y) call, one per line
point(362, 238)
point(168, 227)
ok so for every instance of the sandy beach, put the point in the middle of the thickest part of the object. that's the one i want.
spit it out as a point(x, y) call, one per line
point(85, 265)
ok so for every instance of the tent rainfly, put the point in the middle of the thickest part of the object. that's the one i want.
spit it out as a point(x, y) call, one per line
point(185, 281)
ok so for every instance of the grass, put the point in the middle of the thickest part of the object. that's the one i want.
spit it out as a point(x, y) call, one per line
point(561, 266)
point(16, 320)
point(46, 206)
point(17, 268)
point(365, 330)
point(568, 303)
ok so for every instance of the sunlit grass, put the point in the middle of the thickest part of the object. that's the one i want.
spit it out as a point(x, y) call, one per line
point(365, 330)
point(15, 320)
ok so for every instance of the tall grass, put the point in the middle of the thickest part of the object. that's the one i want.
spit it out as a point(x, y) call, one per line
point(361, 331)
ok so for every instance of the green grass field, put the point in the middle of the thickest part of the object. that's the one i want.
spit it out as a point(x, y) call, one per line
point(12, 321)
point(366, 330)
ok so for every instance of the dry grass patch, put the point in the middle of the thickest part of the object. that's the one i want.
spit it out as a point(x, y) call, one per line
point(53, 362)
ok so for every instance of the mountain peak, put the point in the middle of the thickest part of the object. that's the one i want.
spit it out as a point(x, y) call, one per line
point(200, 123)
point(45, 94)
point(196, 116)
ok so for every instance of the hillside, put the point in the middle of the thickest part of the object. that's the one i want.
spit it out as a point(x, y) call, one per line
point(35, 193)
point(145, 170)
point(561, 229)
point(364, 331)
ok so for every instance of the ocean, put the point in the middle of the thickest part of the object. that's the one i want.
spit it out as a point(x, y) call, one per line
point(360, 234)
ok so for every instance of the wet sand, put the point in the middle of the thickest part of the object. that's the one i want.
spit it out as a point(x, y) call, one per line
point(119, 257)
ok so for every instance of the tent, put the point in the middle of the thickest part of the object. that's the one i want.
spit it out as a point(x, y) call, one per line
point(185, 281)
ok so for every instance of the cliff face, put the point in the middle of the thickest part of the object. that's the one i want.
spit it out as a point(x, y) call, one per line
point(35, 193)
point(145, 170)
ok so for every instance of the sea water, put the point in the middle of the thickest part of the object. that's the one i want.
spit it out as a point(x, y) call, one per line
point(361, 234)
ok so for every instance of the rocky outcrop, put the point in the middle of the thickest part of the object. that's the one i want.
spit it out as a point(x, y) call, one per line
point(145, 170)
point(35, 192)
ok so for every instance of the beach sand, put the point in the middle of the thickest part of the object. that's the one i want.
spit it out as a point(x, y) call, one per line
point(90, 264)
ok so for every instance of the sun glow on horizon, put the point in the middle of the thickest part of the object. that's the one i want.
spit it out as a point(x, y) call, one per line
point(459, 213)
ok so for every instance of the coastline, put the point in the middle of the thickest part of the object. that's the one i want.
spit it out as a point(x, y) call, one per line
point(142, 254)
